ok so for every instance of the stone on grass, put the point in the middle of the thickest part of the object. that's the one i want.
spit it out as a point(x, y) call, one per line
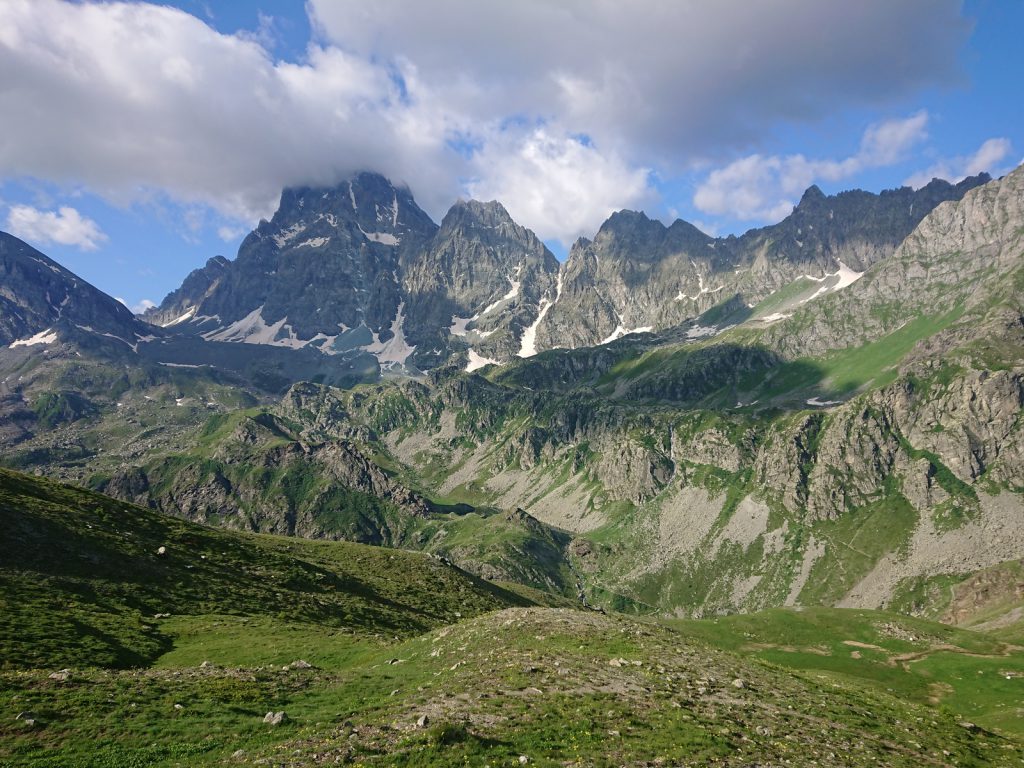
point(423, 721)
point(275, 718)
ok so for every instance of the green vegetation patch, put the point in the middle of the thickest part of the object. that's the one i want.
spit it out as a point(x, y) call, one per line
point(83, 578)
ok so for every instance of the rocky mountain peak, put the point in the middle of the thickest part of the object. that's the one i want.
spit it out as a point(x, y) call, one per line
point(476, 213)
point(627, 221)
point(378, 209)
point(42, 303)
point(812, 194)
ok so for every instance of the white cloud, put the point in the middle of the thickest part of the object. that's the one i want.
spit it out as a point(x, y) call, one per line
point(137, 309)
point(659, 81)
point(230, 233)
point(138, 100)
point(133, 99)
point(562, 186)
point(988, 157)
point(65, 226)
point(764, 188)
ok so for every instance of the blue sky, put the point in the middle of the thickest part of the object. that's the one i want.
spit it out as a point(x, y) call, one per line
point(140, 138)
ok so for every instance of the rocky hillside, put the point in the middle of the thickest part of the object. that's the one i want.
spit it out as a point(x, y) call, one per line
point(639, 275)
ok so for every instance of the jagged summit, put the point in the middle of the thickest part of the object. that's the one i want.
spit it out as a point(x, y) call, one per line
point(812, 194)
point(490, 213)
point(359, 269)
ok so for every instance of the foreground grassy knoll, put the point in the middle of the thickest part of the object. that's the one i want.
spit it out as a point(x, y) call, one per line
point(973, 674)
point(116, 655)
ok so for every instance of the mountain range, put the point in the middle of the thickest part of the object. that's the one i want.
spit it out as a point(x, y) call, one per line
point(376, 275)
point(717, 407)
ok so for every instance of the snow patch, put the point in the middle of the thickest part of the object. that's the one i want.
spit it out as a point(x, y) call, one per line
point(479, 361)
point(458, 326)
point(823, 403)
point(776, 316)
point(703, 289)
point(90, 329)
point(314, 242)
point(285, 235)
point(395, 351)
point(619, 332)
point(253, 329)
point(845, 275)
point(384, 238)
point(352, 197)
point(528, 345)
point(181, 318)
point(512, 293)
point(43, 337)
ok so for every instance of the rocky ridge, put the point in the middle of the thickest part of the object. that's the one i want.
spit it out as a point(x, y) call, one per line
point(377, 275)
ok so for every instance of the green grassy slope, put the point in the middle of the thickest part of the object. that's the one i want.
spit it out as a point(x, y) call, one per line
point(81, 580)
point(390, 679)
point(973, 674)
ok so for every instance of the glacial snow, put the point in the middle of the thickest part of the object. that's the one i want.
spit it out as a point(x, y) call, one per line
point(181, 318)
point(479, 361)
point(395, 351)
point(528, 345)
point(43, 337)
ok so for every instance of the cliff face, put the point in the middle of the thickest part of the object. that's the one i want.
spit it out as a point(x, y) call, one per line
point(637, 274)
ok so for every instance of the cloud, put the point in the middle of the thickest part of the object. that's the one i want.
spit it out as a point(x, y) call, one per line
point(763, 188)
point(137, 309)
point(65, 226)
point(656, 81)
point(229, 233)
point(561, 185)
point(133, 100)
point(988, 157)
point(137, 100)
